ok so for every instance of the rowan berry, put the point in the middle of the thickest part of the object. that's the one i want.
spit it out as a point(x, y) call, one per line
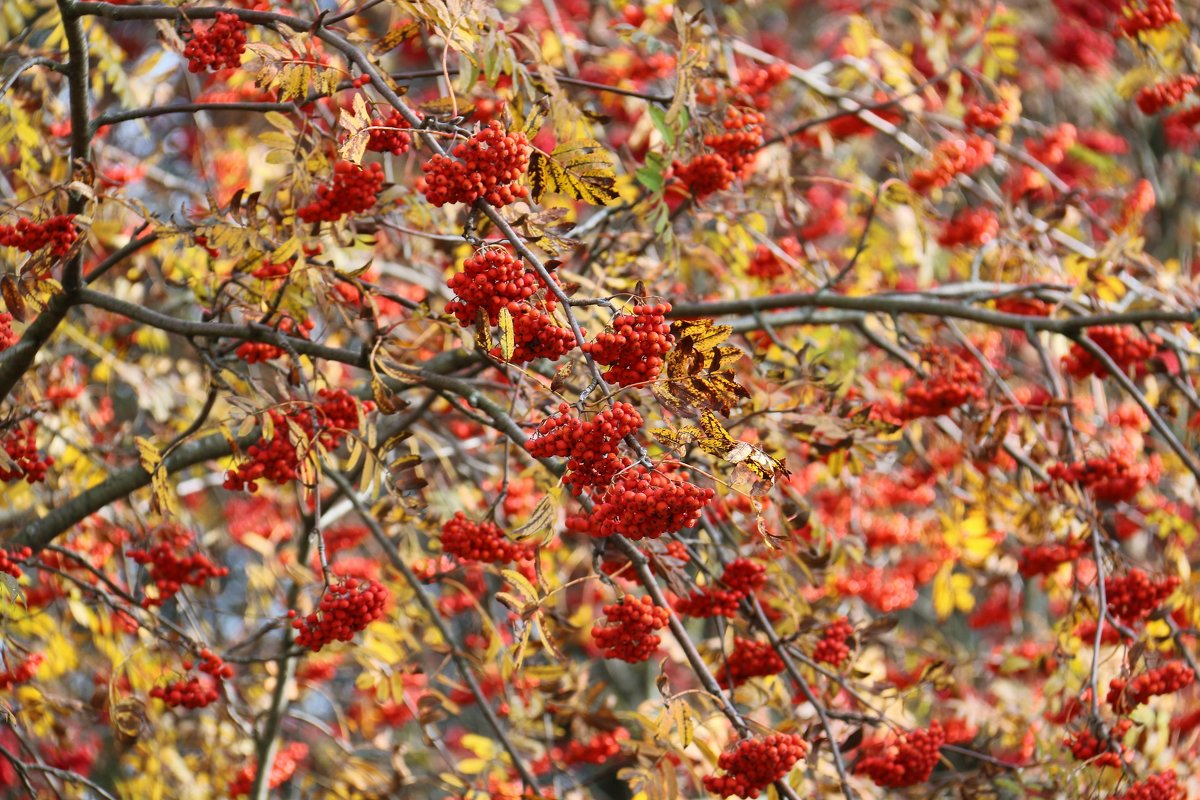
point(19, 443)
point(749, 659)
point(7, 336)
point(1108, 752)
point(636, 345)
point(1163, 786)
point(1152, 99)
point(832, 647)
point(1045, 559)
point(480, 542)
point(1115, 478)
point(169, 568)
point(704, 175)
point(951, 158)
point(346, 608)
point(1135, 595)
point(740, 579)
point(590, 447)
point(282, 769)
point(487, 165)
point(258, 352)
point(1122, 345)
point(741, 141)
point(353, 190)
point(57, 233)
point(536, 335)
point(24, 671)
point(1148, 15)
point(986, 116)
point(1124, 696)
point(972, 227)
point(953, 379)
point(645, 504)
point(490, 280)
point(386, 136)
point(766, 265)
point(628, 629)
point(754, 764)
point(905, 760)
point(9, 559)
point(219, 46)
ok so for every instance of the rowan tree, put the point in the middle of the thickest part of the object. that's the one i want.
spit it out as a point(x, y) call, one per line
point(557, 399)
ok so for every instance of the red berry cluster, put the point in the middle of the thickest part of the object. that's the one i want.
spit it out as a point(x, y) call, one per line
point(480, 542)
point(192, 693)
point(635, 346)
point(219, 46)
point(905, 760)
point(951, 158)
point(986, 116)
point(590, 447)
point(1045, 559)
point(740, 579)
point(628, 629)
point(20, 445)
point(268, 270)
point(1135, 595)
point(487, 165)
point(7, 337)
point(346, 608)
point(756, 83)
point(171, 572)
point(9, 559)
point(490, 280)
point(749, 658)
point(1109, 752)
point(765, 264)
point(1163, 786)
point(598, 750)
point(1024, 306)
point(832, 647)
point(755, 764)
point(1152, 99)
point(386, 136)
point(1151, 16)
point(1179, 129)
point(257, 352)
point(1052, 148)
point(353, 190)
point(645, 504)
point(1114, 479)
point(282, 769)
point(741, 141)
point(22, 672)
point(58, 233)
point(275, 459)
point(971, 228)
point(536, 335)
point(953, 379)
point(704, 175)
point(1123, 345)
point(1166, 679)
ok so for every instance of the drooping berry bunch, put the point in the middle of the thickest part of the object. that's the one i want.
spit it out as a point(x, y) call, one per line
point(634, 348)
point(954, 378)
point(628, 629)
point(740, 579)
point(386, 135)
point(1124, 346)
point(170, 570)
point(704, 175)
point(741, 141)
point(258, 352)
point(20, 445)
point(536, 335)
point(1135, 595)
point(1116, 478)
point(766, 265)
point(1024, 306)
point(7, 336)
point(749, 658)
point(1125, 696)
point(57, 232)
point(598, 750)
point(1139, 202)
point(480, 542)
point(1179, 129)
point(756, 83)
point(282, 769)
point(1085, 745)
point(951, 158)
point(1045, 559)
point(1148, 15)
point(1154, 98)
point(1163, 786)
point(487, 165)
point(353, 190)
point(832, 647)
point(971, 227)
point(754, 764)
point(490, 280)
point(192, 692)
point(590, 447)
point(9, 559)
point(219, 46)
point(22, 672)
point(903, 761)
point(644, 504)
point(268, 269)
point(986, 116)
point(346, 608)
point(336, 413)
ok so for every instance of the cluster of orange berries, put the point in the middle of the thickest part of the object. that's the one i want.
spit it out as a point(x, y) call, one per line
point(765, 264)
point(282, 769)
point(905, 760)
point(480, 542)
point(9, 559)
point(386, 136)
point(219, 46)
point(1152, 16)
point(192, 693)
point(487, 165)
point(268, 269)
point(755, 764)
point(1115, 478)
point(954, 379)
point(740, 579)
point(628, 630)
point(536, 335)
point(1152, 99)
point(336, 412)
point(1125, 696)
point(749, 658)
point(8, 337)
point(1123, 346)
point(1136, 595)
point(986, 116)
point(832, 647)
point(635, 347)
point(22, 672)
point(590, 447)
point(741, 141)
point(170, 571)
point(756, 83)
point(1045, 559)
point(598, 750)
point(490, 280)
point(353, 190)
point(1163, 786)
point(704, 175)
point(1086, 746)
point(644, 504)
point(346, 608)
point(57, 232)
point(257, 352)
point(951, 158)
point(20, 445)
point(972, 228)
